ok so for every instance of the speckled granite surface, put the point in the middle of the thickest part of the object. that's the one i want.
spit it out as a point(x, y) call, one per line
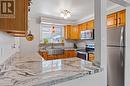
point(32, 70)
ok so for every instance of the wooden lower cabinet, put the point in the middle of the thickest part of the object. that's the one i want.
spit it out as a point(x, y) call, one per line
point(67, 54)
point(91, 57)
point(70, 53)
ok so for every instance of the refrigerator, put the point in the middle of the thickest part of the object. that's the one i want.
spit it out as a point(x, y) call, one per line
point(116, 56)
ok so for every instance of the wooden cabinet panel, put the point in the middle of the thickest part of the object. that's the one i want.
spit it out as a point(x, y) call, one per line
point(73, 54)
point(83, 26)
point(121, 18)
point(17, 34)
point(91, 57)
point(75, 33)
point(71, 32)
point(80, 27)
point(112, 20)
point(67, 54)
point(67, 31)
point(19, 23)
point(90, 24)
point(70, 53)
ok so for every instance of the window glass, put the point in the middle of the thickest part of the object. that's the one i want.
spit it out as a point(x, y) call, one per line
point(46, 35)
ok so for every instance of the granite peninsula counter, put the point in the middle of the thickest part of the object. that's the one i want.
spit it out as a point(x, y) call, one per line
point(32, 70)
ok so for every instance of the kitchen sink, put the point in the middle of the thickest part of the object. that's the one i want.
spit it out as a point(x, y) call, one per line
point(55, 51)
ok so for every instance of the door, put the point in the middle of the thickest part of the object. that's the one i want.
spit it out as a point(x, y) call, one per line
point(116, 37)
point(115, 66)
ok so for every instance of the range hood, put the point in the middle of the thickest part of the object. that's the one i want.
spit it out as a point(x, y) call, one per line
point(124, 3)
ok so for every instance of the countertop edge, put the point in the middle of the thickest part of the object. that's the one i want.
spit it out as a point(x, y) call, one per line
point(58, 81)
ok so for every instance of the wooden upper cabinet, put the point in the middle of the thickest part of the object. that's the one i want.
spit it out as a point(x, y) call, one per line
point(112, 20)
point(72, 32)
point(80, 27)
point(121, 18)
point(67, 32)
point(90, 24)
point(18, 20)
point(83, 26)
point(116, 19)
point(75, 32)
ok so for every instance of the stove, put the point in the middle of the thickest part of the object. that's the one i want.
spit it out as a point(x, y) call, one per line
point(84, 53)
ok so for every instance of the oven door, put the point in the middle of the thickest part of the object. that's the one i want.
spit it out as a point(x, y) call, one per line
point(82, 55)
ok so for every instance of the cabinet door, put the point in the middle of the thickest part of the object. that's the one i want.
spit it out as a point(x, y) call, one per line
point(112, 20)
point(44, 55)
point(80, 27)
point(91, 57)
point(90, 24)
point(75, 33)
point(67, 31)
point(18, 23)
point(121, 18)
point(83, 26)
point(72, 53)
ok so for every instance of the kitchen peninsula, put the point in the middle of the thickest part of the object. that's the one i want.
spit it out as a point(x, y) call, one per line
point(35, 71)
point(57, 53)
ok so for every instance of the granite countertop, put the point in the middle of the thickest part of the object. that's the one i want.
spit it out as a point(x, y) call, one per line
point(65, 48)
point(32, 70)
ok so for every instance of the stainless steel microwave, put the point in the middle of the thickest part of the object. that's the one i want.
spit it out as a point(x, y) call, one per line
point(87, 34)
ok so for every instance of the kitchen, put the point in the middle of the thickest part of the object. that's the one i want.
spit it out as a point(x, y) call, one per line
point(73, 42)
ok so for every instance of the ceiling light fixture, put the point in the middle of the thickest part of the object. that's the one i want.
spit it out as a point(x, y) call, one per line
point(65, 14)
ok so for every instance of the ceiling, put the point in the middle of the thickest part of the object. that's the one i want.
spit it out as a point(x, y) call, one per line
point(51, 8)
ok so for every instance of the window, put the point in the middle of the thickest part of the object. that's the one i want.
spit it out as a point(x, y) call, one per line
point(46, 36)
